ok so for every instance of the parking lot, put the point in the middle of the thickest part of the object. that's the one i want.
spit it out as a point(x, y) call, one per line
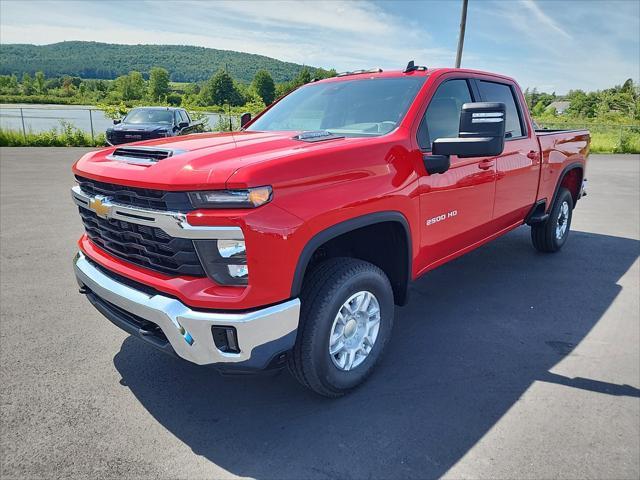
point(506, 363)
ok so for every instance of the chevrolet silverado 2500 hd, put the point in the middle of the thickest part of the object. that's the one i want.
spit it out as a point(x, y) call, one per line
point(290, 241)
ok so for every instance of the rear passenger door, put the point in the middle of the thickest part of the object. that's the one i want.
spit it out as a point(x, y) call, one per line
point(518, 168)
point(455, 206)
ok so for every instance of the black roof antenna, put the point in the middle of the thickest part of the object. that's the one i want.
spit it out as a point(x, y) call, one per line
point(411, 66)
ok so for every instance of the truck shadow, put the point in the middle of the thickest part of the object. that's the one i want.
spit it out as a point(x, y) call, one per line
point(475, 336)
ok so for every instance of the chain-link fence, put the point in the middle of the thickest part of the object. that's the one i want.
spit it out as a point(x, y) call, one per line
point(91, 120)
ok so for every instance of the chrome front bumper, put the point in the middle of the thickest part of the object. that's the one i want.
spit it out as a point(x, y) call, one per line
point(261, 334)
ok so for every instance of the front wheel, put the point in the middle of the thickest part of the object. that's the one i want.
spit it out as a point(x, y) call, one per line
point(346, 321)
point(552, 234)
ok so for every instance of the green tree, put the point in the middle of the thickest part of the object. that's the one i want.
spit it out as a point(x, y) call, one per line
point(174, 99)
point(41, 87)
point(220, 90)
point(27, 84)
point(9, 85)
point(68, 86)
point(192, 89)
point(158, 83)
point(538, 109)
point(264, 86)
point(131, 86)
point(304, 76)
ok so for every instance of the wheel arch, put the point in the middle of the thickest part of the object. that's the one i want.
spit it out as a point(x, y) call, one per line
point(570, 178)
point(342, 230)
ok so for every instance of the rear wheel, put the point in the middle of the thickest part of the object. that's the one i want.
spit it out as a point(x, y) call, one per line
point(550, 235)
point(346, 321)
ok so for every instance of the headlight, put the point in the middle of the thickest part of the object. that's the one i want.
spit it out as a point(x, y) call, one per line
point(249, 198)
point(225, 261)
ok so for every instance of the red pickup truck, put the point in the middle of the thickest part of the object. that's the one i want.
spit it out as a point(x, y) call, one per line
point(291, 241)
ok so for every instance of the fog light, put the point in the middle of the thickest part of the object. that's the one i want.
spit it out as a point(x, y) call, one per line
point(225, 339)
point(231, 248)
point(238, 271)
point(225, 261)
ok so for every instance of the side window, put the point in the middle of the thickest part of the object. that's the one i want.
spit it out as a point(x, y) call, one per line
point(442, 118)
point(185, 116)
point(499, 92)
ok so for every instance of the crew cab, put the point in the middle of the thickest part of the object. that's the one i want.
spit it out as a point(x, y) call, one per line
point(291, 241)
point(145, 123)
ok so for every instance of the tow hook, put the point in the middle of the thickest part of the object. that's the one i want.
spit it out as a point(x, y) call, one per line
point(83, 290)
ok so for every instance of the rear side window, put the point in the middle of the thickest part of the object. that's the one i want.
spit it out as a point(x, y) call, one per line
point(499, 92)
point(442, 118)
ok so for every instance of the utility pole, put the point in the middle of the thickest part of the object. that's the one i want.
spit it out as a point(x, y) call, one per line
point(463, 24)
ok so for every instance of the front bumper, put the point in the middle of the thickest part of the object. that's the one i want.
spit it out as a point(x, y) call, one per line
point(262, 335)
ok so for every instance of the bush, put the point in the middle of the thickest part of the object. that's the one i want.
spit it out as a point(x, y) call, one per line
point(174, 99)
point(66, 136)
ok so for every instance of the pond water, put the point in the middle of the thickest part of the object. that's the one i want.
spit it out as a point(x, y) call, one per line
point(39, 118)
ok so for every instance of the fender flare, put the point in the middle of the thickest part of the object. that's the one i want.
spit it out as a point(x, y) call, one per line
point(345, 227)
point(565, 171)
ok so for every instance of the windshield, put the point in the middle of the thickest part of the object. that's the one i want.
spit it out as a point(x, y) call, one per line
point(144, 115)
point(353, 108)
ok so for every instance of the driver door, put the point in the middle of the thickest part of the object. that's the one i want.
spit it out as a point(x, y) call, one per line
point(456, 207)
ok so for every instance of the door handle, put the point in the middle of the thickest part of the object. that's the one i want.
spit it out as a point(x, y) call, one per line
point(485, 164)
point(532, 155)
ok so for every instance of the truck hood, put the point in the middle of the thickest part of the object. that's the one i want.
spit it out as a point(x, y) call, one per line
point(201, 161)
point(140, 127)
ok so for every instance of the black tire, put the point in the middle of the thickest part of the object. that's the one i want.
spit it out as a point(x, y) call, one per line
point(324, 292)
point(544, 235)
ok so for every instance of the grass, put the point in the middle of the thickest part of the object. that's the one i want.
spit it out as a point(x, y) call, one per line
point(66, 136)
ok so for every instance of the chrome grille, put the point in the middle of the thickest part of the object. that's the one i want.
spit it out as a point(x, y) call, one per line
point(137, 197)
point(142, 245)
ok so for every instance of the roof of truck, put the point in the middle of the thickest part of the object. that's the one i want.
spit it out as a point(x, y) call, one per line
point(422, 72)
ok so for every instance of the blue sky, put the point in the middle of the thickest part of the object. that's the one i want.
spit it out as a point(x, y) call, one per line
point(553, 45)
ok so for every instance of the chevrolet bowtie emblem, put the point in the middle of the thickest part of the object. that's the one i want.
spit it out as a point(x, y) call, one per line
point(100, 206)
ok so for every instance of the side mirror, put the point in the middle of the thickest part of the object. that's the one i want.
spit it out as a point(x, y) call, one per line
point(183, 124)
point(482, 129)
point(116, 121)
point(244, 119)
point(436, 163)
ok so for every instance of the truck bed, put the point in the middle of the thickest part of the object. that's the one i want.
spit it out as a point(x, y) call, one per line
point(560, 150)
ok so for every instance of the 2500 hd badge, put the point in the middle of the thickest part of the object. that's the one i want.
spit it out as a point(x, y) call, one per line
point(442, 217)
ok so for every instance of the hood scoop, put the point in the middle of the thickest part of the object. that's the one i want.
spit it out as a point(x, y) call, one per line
point(142, 155)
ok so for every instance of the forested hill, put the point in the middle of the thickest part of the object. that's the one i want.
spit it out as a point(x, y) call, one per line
point(108, 61)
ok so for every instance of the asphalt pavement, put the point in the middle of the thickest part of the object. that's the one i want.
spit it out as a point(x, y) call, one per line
point(506, 363)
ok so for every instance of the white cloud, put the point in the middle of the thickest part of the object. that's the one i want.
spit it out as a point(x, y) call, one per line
point(561, 43)
point(340, 34)
point(543, 18)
